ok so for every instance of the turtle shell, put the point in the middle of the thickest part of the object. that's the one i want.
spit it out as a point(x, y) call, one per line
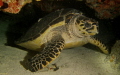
point(52, 20)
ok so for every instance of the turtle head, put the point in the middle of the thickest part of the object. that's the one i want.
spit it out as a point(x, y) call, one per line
point(86, 26)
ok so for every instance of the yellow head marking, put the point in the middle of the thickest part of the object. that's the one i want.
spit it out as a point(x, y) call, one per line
point(87, 26)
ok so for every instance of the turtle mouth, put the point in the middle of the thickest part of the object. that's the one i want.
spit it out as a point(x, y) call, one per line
point(93, 32)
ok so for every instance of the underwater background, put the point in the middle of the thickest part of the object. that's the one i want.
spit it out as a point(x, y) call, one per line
point(85, 60)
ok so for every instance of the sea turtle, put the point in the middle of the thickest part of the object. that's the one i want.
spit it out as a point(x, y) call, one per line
point(58, 30)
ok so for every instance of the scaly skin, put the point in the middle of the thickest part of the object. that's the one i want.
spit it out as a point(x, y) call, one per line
point(49, 53)
point(99, 44)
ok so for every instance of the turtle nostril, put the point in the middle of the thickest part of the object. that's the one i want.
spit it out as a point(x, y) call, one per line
point(94, 23)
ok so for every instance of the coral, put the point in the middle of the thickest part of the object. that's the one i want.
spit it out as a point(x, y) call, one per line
point(14, 6)
point(49, 6)
point(114, 57)
point(52, 5)
point(1, 3)
point(105, 8)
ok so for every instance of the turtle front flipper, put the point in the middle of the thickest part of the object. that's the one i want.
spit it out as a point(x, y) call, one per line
point(99, 44)
point(48, 54)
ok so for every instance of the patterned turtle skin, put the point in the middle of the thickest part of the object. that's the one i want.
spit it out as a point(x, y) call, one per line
point(65, 28)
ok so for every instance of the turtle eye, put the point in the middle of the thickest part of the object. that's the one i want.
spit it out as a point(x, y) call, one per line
point(88, 25)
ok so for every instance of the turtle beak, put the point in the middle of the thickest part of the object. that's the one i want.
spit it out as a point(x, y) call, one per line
point(93, 32)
